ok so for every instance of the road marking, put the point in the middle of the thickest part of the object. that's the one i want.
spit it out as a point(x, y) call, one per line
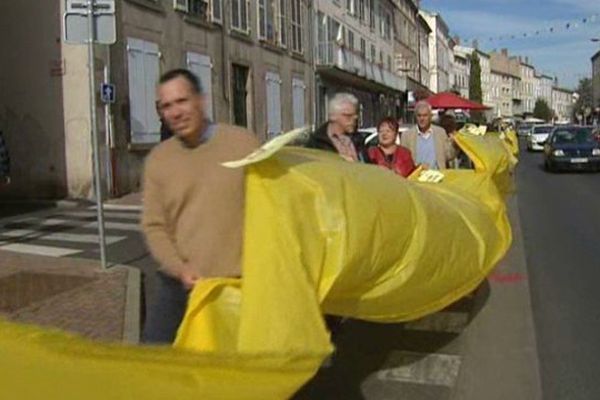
point(499, 277)
point(443, 321)
point(39, 250)
point(108, 214)
point(29, 234)
point(128, 207)
point(123, 226)
point(419, 368)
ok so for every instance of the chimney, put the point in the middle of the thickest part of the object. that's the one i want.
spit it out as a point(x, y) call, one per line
point(504, 52)
point(526, 60)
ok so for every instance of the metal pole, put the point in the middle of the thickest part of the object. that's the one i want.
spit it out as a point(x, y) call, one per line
point(108, 123)
point(95, 150)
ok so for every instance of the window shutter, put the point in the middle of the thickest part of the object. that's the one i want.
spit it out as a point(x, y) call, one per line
point(201, 66)
point(143, 73)
point(273, 86)
point(298, 90)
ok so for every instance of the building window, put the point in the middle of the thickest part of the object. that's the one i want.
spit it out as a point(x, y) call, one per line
point(373, 53)
point(143, 73)
point(360, 11)
point(239, 91)
point(282, 23)
point(350, 40)
point(239, 15)
point(206, 10)
point(297, 26)
point(371, 6)
point(363, 49)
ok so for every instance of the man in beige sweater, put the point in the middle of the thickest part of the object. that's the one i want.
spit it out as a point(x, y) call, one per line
point(193, 207)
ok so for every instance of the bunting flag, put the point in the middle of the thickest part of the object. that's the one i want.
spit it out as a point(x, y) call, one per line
point(565, 26)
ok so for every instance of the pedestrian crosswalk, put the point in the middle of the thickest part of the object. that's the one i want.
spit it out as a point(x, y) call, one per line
point(67, 232)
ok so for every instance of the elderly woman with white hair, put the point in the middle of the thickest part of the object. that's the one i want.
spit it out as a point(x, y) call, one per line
point(336, 134)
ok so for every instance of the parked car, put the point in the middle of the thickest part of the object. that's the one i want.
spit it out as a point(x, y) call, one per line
point(572, 148)
point(370, 134)
point(538, 136)
point(524, 129)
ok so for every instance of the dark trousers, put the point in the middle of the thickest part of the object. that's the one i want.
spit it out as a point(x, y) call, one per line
point(165, 310)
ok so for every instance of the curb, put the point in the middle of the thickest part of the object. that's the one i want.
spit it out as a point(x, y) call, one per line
point(131, 319)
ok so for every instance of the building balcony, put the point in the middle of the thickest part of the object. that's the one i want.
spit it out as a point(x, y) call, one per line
point(331, 55)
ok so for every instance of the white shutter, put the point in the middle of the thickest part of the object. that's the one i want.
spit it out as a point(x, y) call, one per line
point(181, 5)
point(273, 86)
point(298, 90)
point(143, 74)
point(201, 66)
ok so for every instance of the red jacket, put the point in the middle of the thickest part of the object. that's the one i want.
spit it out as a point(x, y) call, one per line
point(401, 162)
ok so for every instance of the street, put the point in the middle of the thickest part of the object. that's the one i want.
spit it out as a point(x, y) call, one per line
point(560, 219)
point(456, 354)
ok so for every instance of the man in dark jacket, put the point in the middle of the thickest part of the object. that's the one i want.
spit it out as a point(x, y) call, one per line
point(4, 162)
point(338, 133)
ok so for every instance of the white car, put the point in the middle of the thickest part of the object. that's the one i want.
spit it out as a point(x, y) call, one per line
point(538, 136)
point(370, 134)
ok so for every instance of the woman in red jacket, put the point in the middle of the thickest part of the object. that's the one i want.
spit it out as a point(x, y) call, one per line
point(387, 153)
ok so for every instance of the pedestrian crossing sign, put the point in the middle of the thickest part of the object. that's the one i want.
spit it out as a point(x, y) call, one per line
point(107, 93)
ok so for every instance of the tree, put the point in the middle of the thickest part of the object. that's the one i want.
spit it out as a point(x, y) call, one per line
point(475, 93)
point(585, 100)
point(542, 110)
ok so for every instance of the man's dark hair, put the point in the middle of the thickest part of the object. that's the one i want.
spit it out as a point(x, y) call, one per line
point(182, 73)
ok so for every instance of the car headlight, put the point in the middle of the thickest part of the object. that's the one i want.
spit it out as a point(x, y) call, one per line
point(558, 153)
point(596, 152)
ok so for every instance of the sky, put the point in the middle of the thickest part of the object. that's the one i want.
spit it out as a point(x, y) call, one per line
point(564, 53)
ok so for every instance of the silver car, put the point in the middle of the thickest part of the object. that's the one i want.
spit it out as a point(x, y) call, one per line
point(538, 136)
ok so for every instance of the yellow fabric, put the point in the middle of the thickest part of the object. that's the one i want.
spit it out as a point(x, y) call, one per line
point(321, 235)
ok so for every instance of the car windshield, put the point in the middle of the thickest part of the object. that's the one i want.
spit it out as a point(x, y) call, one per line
point(525, 127)
point(573, 136)
point(542, 129)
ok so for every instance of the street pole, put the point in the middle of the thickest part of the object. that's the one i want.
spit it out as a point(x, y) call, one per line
point(95, 150)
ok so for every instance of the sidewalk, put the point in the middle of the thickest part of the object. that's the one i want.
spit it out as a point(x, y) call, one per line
point(71, 294)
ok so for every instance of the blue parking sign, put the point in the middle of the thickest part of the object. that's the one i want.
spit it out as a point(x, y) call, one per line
point(108, 93)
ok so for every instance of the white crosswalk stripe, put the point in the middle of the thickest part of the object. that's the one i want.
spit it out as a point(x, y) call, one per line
point(59, 236)
point(421, 368)
point(443, 321)
point(66, 232)
point(39, 250)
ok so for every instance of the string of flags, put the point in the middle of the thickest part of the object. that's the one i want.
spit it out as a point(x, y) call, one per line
point(566, 26)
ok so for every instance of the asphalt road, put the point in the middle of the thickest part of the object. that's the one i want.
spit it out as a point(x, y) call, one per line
point(560, 220)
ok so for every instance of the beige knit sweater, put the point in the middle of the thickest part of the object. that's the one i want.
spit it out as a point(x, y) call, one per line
point(193, 208)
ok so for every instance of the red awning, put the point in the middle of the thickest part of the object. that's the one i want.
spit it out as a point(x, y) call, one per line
point(450, 100)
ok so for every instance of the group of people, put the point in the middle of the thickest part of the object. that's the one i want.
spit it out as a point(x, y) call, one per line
point(425, 145)
point(193, 207)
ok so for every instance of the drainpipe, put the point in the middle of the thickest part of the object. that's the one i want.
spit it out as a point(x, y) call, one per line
point(225, 70)
point(313, 54)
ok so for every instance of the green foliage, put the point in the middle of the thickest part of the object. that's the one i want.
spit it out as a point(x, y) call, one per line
point(542, 110)
point(475, 92)
point(586, 97)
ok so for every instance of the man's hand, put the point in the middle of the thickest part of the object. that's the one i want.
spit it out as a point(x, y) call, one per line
point(189, 279)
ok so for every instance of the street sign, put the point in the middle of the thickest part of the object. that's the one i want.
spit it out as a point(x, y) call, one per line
point(107, 93)
point(75, 23)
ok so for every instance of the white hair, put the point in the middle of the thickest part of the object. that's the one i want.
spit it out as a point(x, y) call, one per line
point(422, 104)
point(337, 101)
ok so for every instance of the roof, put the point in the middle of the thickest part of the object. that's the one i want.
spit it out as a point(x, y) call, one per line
point(498, 72)
point(595, 56)
point(563, 90)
